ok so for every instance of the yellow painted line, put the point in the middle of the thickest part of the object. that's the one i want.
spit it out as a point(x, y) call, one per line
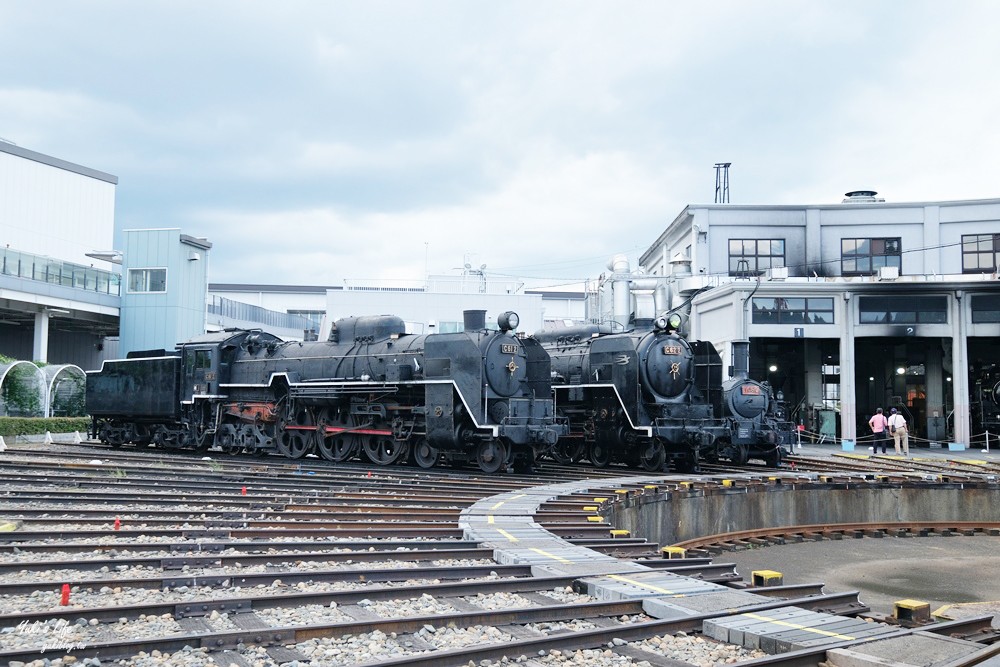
point(9, 526)
point(650, 587)
point(489, 519)
point(552, 556)
point(972, 462)
point(506, 534)
point(497, 506)
point(797, 626)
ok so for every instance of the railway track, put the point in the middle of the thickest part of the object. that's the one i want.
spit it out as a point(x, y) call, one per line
point(184, 561)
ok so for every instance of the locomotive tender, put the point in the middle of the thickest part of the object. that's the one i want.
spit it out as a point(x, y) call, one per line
point(370, 390)
point(651, 398)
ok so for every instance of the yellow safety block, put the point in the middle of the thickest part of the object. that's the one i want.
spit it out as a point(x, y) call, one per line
point(674, 552)
point(600, 500)
point(685, 485)
point(9, 526)
point(727, 482)
point(911, 610)
point(621, 491)
point(590, 508)
point(595, 519)
point(651, 487)
point(620, 533)
point(767, 578)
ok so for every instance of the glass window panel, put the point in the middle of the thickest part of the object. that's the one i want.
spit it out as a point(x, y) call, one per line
point(792, 317)
point(903, 317)
point(735, 247)
point(878, 246)
point(158, 280)
point(864, 264)
point(996, 242)
point(763, 247)
point(895, 260)
point(763, 263)
point(821, 317)
point(763, 304)
point(734, 263)
point(795, 304)
point(932, 317)
point(778, 247)
point(820, 304)
point(749, 247)
point(848, 247)
point(850, 266)
point(872, 317)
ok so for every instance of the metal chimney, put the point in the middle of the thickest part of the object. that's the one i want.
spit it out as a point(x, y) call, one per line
point(475, 320)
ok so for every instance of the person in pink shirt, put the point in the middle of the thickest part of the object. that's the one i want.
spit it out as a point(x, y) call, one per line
point(878, 424)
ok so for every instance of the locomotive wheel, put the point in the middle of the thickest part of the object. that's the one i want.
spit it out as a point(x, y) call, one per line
point(296, 442)
point(652, 455)
point(424, 455)
point(600, 454)
point(384, 450)
point(491, 456)
point(225, 439)
point(341, 446)
point(742, 455)
point(773, 459)
point(567, 452)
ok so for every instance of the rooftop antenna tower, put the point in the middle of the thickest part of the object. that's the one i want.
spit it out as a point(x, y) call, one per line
point(722, 182)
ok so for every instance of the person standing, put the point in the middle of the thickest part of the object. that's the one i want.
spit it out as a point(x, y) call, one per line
point(878, 424)
point(897, 427)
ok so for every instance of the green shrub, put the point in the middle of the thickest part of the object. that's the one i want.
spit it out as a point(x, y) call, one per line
point(10, 426)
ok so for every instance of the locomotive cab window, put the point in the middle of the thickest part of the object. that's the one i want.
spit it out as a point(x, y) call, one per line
point(147, 280)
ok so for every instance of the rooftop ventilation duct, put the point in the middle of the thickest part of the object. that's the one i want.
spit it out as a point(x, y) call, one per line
point(862, 197)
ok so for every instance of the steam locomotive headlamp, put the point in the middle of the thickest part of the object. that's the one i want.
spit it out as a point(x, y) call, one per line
point(660, 323)
point(675, 321)
point(508, 321)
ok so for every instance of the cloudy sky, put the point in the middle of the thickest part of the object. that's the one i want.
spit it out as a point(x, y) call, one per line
point(313, 142)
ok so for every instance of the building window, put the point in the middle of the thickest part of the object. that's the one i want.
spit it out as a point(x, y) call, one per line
point(980, 253)
point(755, 256)
point(147, 280)
point(986, 309)
point(864, 257)
point(809, 310)
point(903, 309)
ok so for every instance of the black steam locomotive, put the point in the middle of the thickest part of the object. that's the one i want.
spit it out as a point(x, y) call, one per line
point(656, 400)
point(370, 390)
point(984, 380)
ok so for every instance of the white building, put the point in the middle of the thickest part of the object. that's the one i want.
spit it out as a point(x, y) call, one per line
point(848, 306)
point(55, 304)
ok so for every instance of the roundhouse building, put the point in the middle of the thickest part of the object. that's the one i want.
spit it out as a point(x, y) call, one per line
point(852, 306)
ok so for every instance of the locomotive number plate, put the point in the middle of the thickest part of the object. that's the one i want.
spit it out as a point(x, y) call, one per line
point(508, 348)
point(750, 390)
point(672, 349)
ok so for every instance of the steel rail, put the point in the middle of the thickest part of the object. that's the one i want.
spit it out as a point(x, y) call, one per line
point(810, 531)
point(844, 602)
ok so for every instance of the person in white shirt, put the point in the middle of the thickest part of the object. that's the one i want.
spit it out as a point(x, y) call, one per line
point(897, 426)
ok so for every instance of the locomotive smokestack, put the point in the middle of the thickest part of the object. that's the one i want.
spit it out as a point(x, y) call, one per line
point(741, 359)
point(475, 320)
